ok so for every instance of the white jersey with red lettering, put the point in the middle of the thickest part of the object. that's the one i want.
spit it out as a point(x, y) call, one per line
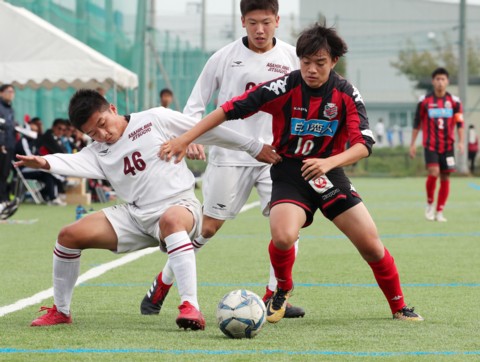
point(231, 71)
point(131, 164)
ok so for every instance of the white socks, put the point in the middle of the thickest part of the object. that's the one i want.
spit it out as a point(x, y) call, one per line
point(181, 260)
point(167, 273)
point(66, 267)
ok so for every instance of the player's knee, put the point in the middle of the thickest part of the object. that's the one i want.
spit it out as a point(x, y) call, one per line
point(210, 227)
point(284, 240)
point(68, 238)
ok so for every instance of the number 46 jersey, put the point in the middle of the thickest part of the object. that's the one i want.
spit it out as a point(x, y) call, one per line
point(132, 165)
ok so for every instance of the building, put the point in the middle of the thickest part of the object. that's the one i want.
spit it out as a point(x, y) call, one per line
point(375, 31)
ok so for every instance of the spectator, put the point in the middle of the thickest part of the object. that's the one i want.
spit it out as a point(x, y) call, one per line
point(380, 131)
point(166, 97)
point(28, 146)
point(37, 121)
point(472, 147)
point(50, 143)
point(7, 141)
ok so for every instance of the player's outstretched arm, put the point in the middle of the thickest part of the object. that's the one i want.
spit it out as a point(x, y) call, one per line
point(37, 162)
point(268, 154)
point(177, 147)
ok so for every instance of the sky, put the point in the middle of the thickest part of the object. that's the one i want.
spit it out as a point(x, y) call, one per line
point(287, 7)
point(221, 6)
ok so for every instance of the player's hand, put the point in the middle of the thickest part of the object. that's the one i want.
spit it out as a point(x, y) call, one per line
point(413, 151)
point(313, 168)
point(196, 152)
point(461, 147)
point(175, 147)
point(268, 154)
point(32, 162)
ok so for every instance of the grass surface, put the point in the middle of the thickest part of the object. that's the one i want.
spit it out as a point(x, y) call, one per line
point(347, 317)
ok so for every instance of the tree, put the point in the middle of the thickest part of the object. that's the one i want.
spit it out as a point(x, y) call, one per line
point(418, 65)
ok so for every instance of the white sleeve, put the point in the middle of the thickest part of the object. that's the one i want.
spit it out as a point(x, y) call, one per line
point(225, 137)
point(177, 123)
point(80, 164)
point(205, 86)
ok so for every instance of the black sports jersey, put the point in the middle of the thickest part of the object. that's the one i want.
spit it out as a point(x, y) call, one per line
point(307, 122)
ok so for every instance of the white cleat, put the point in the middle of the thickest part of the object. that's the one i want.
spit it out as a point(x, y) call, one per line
point(430, 212)
point(440, 217)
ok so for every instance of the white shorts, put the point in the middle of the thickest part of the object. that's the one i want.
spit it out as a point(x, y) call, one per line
point(227, 188)
point(139, 229)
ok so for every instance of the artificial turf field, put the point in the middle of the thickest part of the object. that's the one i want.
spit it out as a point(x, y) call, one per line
point(347, 317)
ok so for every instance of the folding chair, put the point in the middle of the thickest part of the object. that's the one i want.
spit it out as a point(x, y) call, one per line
point(32, 186)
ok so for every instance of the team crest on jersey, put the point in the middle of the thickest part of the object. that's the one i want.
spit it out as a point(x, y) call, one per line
point(448, 104)
point(278, 86)
point(139, 132)
point(330, 111)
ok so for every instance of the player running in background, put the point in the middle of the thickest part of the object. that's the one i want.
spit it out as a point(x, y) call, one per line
point(315, 112)
point(160, 209)
point(231, 175)
point(438, 114)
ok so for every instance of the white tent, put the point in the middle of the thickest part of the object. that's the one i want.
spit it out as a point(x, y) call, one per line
point(36, 54)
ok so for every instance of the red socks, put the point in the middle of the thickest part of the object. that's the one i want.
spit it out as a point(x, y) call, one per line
point(386, 274)
point(282, 262)
point(430, 186)
point(443, 194)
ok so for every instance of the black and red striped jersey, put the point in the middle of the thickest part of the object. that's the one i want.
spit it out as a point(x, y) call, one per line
point(437, 118)
point(307, 122)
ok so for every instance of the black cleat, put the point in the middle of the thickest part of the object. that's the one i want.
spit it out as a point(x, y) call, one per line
point(153, 300)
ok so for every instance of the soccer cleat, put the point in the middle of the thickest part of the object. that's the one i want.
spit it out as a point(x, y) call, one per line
point(9, 208)
point(153, 300)
point(430, 212)
point(51, 318)
point(290, 310)
point(440, 218)
point(408, 314)
point(277, 305)
point(190, 317)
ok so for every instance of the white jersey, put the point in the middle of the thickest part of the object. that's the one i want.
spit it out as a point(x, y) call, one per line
point(232, 70)
point(131, 164)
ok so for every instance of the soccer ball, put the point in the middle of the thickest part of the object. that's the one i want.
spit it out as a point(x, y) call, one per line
point(241, 314)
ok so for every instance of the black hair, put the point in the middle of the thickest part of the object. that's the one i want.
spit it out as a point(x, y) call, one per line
point(166, 91)
point(440, 71)
point(318, 37)
point(4, 87)
point(251, 5)
point(83, 104)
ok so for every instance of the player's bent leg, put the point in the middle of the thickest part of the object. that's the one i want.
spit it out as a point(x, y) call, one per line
point(210, 226)
point(93, 231)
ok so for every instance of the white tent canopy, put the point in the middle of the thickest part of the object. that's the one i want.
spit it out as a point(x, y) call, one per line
point(36, 54)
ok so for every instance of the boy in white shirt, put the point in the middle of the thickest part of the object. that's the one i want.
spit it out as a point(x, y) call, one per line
point(160, 205)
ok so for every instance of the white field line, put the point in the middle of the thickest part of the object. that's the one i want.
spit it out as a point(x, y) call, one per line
point(90, 274)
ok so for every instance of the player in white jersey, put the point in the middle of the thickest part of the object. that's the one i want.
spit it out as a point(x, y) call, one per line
point(231, 175)
point(160, 205)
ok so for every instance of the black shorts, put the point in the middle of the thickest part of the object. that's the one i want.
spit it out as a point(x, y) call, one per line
point(334, 196)
point(446, 161)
